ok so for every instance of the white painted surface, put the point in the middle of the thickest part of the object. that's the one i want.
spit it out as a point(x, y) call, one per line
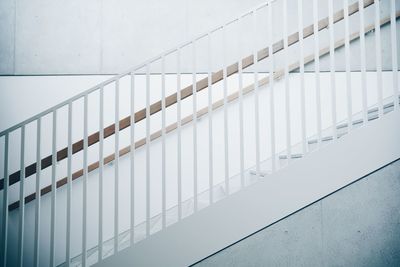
point(261, 204)
point(171, 145)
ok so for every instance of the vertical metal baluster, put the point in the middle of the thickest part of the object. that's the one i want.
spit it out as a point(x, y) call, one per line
point(53, 190)
point(226, 129)
point(5, 204)
point(164, 182)
point(348, 73)
point(303, 94)
point(69, 186)
point(21, 223)
point(332, 68)
point(116, 169)
point(101, 167)
point(178, 100)
point(210, 124)
point(378, 58)
point(240, 73)
point(4, 224)
point(132, 158)
point(147, 150)
point(363, 67)
point(85, 179)
point(394, 53)
point(287, 88)
point(256, 89)
point(37, 194)
point(271, 82)
point(194, 87)
point(317, 74)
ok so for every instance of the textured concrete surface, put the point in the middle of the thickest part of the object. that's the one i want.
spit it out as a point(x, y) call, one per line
point(356, 226)
point(105, 37)
point(7, 29)
point(98, 36)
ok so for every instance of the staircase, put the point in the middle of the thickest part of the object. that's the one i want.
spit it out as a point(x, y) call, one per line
point(155, 153)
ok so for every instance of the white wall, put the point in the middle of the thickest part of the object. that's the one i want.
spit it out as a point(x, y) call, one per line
point(171, 163)
point(96, 36)
point(104, 37)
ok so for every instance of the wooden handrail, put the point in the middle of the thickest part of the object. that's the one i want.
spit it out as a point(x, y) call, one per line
point(264, 81)
point(185, 92)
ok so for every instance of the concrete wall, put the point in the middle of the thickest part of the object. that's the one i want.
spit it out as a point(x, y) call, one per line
point(106, 37)
point(99, 36)
point(356, 226)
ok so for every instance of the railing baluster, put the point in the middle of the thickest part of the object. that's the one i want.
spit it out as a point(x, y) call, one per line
point(53, 190)
point(394, 53)
point(287, 88)
point(362, 57)
point(85, 179)
point(147, 150)
point(256, 88)
point(317, 74)
point(194, 127)
point(271, 86)
point(164, 184)
point(36, 250)
point(240, 74)
point(302, 87)
point(226, 129)
point(378, 57)
point(348, 66)
point(4, 229)
point(210, 123)
point(132, 158)
point(178, 85)
point(116, 169)
point(21, 223)
point(101, 167)
point(69, 186)
point(332, 67)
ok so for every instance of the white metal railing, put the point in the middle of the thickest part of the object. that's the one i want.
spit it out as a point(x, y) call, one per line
point(273, 53)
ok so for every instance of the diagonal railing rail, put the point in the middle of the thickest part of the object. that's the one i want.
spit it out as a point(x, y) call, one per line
point(204, 111)
point(185, 93)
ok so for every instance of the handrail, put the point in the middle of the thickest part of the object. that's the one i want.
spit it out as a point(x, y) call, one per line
point(130, 70)
point(262, 82)
point(171, 99)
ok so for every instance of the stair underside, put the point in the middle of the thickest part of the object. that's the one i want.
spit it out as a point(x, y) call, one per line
point(273, 198)
point(219, 191)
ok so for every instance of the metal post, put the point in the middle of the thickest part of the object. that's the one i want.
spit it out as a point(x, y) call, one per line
point(132, 158)
point(21, 223)
point(348, 67)
point(53, 191)
point(101, 168)
point(271, 86)
point(317, 74)
point(69, 187)
point(332, 68)
point(256, 94)
point(37, 193)
point(303, 94)
point(210, 124)
point(363, 67)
